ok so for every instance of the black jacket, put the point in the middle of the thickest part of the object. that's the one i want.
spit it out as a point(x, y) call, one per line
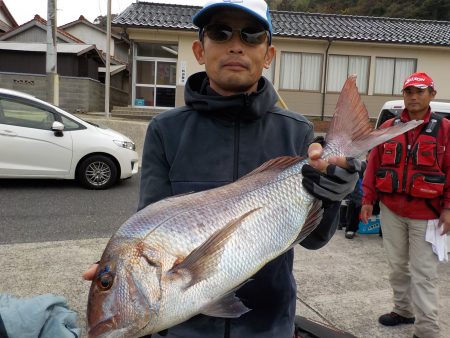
point(212, 141)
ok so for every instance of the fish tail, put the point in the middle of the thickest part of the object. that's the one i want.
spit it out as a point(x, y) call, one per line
point(350, 130)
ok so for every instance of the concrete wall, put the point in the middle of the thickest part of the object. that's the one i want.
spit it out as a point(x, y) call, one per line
point(75, 94)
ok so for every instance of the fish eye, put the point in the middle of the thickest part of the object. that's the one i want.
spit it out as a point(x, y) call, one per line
point(105, 278)
point(104, 282)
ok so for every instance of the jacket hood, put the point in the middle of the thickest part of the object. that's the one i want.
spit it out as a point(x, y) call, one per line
point(201, 97)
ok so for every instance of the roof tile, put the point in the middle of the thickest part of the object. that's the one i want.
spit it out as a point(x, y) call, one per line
point(301, 25)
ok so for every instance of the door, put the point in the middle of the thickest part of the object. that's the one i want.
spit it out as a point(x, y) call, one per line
point(155, 82)
point(28, 146)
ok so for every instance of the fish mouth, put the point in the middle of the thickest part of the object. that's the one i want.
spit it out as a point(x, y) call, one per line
point(103, 327)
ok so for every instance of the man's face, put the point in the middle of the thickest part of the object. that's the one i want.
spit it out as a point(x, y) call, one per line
point(233, 66)
point(417, 100)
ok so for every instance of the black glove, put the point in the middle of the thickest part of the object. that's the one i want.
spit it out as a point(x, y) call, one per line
point(161, 333)
point(335, 184)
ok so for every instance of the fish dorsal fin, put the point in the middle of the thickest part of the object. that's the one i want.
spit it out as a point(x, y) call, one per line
point(228, 306)
point(350, 119)
point(312, 221)
point(277, 164)
point(202, 262)
point(350, 129)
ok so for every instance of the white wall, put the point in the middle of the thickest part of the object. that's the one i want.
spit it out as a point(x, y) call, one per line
point(91, 36)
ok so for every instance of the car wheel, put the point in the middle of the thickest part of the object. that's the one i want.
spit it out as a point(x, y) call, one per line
point(97, 172)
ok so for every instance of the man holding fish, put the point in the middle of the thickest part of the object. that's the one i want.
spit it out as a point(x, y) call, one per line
point(218, 262)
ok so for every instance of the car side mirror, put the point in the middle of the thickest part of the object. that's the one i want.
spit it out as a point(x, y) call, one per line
point(58, 128)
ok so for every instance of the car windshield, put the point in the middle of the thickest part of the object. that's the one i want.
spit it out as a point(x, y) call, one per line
point(387, 114)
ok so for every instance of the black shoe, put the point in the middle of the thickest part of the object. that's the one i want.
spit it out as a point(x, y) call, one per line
point(349, 234)
point(414, 336)
point(392, 319)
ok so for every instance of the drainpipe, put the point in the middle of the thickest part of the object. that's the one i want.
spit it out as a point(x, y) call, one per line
point(325, 79)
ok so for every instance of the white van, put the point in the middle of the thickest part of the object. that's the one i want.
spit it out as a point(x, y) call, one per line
point(393, 108)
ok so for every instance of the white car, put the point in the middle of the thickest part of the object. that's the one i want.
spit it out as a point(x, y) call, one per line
point(39, 140)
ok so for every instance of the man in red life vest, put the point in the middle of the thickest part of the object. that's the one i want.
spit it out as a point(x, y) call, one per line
point(410, 176)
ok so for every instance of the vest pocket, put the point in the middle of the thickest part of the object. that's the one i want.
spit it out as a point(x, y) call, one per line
point(386, 180)
point(425, 154)
point(392, 153)
point(427, 185)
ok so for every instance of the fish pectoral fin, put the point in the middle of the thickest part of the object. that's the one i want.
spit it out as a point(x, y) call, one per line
point(202, 262)
point(228, 306)
point(312, 221)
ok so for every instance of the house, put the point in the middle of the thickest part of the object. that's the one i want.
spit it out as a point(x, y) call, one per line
point(7, 21)
point(119, 49)
point(80, 65)
point(93, 34)
point(315, 54)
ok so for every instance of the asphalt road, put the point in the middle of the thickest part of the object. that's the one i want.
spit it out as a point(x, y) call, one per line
point(55, 210)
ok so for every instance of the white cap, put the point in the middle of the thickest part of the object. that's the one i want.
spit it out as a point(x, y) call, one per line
point(256, 8)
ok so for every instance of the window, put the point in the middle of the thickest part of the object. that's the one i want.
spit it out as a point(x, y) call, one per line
point(301, 71)
point(340, 67)
point(390, 74)
point(23, 115)
point(70, 124)
point(155, 75)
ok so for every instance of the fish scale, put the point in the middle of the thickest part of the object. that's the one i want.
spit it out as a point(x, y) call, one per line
point(187, 254)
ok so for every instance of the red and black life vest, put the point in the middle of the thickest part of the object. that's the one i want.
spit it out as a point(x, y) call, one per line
point(416, 170)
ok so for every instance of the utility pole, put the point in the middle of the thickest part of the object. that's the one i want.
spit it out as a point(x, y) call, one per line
point(108, 60)
point(51, 57)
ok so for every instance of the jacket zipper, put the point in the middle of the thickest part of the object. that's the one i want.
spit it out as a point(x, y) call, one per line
point(405, 167)
point(236, 148)
point(237, 136)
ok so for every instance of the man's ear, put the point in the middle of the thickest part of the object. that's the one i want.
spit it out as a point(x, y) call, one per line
point(269, 56)
point(199, 52)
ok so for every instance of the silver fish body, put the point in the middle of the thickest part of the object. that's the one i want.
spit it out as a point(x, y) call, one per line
point(187, 255)
point(264, 214)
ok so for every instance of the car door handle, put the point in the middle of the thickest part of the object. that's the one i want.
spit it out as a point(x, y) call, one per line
point(7, 133)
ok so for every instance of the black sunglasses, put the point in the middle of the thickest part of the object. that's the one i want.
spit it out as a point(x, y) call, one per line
point(221, 33)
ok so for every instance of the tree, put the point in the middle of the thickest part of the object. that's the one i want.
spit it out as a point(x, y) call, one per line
point(102, 20)
point(410, 9)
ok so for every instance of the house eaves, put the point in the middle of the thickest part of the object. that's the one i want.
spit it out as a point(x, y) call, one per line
point(63, 48)
point(83, 21)
point(8, 15)
point(114, 69)
point(41, 23)
point(301, 25)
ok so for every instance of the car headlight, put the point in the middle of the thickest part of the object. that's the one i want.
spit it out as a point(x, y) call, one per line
point(125, 144)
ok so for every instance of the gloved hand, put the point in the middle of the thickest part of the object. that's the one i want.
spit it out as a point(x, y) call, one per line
point(333, 185)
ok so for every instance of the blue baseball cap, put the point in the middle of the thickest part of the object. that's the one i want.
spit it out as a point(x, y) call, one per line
point(256, 8)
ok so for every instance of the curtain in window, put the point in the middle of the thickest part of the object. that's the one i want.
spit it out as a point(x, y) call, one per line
point(359, 65)
point(390, 74)
point(403, 68)
point(337, 72)
point(384, 76)
point(311, 71)
point(340, 67)
point(290, 70)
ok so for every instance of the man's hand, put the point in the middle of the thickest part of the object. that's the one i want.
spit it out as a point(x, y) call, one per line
point(330, 180)
point(366, 212)
point(445, 221)
point(89, 274)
